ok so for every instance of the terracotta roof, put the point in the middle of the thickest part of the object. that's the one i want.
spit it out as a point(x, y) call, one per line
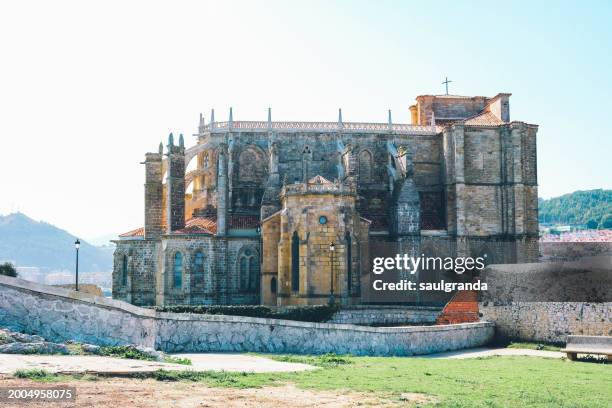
point(199, 225)
point(204, 225)
point(138, 232)
point(243, 221)
point(483, 119)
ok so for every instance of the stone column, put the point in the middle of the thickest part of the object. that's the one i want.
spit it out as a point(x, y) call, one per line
point(176, 185)
point(222, 193)
point(153, 195)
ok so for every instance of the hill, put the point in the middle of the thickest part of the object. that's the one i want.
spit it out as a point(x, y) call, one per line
point(579, 207)
point(32, 243)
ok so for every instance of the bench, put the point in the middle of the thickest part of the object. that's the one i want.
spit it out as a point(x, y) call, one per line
point(575, 345)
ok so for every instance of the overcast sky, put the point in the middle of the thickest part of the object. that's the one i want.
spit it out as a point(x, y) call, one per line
point(86, 88)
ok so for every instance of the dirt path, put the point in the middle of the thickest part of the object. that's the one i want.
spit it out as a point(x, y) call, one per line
point(234, 362)
point(123, 392)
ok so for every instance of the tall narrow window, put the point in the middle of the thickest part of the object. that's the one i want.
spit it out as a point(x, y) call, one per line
point(295, 262)
point(248, 270)
point(273, 286)
point(253, 274)
point(198, 268)
point(349, 263)
point(244, 274)
point(178, 270)
point(124, 271)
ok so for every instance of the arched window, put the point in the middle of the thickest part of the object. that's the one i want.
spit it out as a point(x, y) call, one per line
point(124, 271)
point(349, 262)
point(199, 267)
point(365, 166)
point(248, 269)
point(178, 270)
point(273, 286)
point(295, 262)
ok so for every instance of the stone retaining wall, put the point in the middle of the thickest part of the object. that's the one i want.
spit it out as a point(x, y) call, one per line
point(549, 322)
point(549, 301)
point(60, 314)
point(386, 316)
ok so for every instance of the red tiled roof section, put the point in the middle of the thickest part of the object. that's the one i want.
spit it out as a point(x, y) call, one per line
point(483, 119)
point(199, 225)
point(138, 232)
point(205, 225)
point(243, 221)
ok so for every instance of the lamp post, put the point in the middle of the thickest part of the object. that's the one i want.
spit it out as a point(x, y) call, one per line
point(77, 245)
point(332, 249)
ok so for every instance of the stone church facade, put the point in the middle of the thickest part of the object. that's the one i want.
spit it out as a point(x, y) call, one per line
point(288, 213)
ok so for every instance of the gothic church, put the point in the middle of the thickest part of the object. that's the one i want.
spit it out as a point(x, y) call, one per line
point(289, 213)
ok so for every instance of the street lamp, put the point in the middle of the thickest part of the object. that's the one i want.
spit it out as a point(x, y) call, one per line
point(332, 300)
point(77, 245)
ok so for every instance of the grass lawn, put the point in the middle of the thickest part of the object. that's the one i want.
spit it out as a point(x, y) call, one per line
point(535, 346)
point(482, 382)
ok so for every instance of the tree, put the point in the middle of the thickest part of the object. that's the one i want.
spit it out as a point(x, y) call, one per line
point(8, 269)
point(606, 221)
point(592, 224)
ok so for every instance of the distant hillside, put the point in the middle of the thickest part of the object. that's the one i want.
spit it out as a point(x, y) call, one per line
point(32, 243)
point(578, 207)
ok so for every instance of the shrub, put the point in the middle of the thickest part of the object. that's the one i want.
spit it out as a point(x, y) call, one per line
point(7, 269)
point(315, 314)
point(125, 352)
point(33, 374)
point(177, 360)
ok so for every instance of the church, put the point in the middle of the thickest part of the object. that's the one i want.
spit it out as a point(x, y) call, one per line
point(289, 213)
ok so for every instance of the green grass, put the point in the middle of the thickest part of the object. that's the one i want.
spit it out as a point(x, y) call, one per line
point(534, 346)
point(325, 360)
point(484, 382)
point(42, 375)
point(33, 374)
point(76, 349)
point(128, 352)
point(177, 360)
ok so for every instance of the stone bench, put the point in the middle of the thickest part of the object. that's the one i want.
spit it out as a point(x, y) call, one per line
point(575, 345)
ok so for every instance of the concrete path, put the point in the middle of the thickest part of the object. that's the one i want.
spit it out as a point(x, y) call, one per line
point(235, 362)
point(488, 352)
point(9, 363)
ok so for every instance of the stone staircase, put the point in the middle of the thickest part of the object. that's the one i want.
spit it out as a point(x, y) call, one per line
point(462, 308)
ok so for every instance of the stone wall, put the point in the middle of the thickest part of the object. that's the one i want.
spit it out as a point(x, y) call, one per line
point(549, 322)
point(549, 301)
point(386, 315)
point(60, 314)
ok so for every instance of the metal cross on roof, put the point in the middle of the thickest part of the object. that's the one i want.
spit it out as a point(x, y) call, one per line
point(446, 82)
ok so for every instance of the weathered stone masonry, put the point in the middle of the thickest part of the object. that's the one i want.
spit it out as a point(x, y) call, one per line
point(461, 180)
point(59, 314)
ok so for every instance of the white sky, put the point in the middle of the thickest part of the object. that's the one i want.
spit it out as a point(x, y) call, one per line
point(86, 88)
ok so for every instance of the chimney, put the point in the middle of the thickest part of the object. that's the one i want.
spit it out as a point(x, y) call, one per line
point(499, 105)
point(153, 195)
point(176, 185)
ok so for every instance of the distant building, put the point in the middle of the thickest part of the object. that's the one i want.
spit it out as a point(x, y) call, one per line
point(267, 199)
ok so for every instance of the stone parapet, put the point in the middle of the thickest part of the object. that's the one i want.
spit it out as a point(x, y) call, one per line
point(60, 314)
